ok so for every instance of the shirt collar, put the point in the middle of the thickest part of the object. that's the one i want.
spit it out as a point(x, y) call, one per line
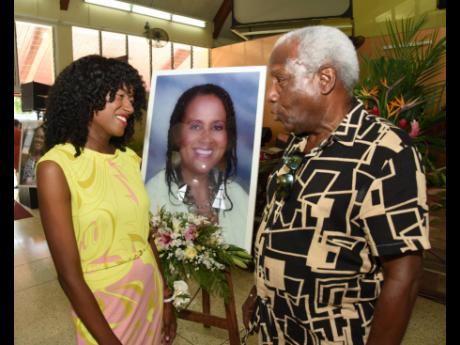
point(345, 133)
point(219, 200)
point(347, 130)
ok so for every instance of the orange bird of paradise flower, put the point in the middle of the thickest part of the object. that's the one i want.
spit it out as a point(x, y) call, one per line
point(369, 93)
point(399, 105)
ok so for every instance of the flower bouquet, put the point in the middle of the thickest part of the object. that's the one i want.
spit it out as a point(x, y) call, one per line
point(191, 247)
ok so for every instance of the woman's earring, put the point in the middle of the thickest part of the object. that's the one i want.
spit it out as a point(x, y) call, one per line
point(175, 158)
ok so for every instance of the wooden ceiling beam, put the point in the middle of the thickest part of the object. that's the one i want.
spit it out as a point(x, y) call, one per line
point(64, 4)
point(222, 14)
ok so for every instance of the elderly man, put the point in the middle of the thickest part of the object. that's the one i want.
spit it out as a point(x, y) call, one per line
point(339, 250)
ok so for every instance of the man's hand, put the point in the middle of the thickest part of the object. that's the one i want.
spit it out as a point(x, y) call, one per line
point(248, 306)
point(169, 324)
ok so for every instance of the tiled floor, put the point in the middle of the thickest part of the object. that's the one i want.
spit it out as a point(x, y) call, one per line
point(42, 312)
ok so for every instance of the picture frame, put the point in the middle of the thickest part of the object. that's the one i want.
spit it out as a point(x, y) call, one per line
point(31, 150)
point(246, 88)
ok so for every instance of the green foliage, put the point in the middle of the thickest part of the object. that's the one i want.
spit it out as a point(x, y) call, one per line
point(404, 84)
point(17, 105)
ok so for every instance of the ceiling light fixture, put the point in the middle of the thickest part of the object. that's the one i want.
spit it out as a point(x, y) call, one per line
point(147, 11)
point(187, 20)
point(119, 5)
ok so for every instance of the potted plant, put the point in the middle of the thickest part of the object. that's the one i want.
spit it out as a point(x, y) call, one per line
point(405, 85)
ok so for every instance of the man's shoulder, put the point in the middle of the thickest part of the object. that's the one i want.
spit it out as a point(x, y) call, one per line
point(383, 131)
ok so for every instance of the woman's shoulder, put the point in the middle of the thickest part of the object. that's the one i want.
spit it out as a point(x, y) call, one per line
point(237, 193)
point(60, 152)
point(235, 186)
point(157, 181)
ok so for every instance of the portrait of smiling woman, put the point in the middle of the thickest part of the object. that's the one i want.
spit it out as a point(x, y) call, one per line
point(36, 149)
point(200, 161)
point(202, 144)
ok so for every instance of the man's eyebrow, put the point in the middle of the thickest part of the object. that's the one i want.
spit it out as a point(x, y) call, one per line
point(279, 70)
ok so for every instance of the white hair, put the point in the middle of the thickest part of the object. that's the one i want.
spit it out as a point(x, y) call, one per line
point(320, 45)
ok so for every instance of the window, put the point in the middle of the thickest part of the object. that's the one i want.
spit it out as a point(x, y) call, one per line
point(139, 57)
point(17, 105)
point(161, 57)
point(113, 44)
point(171, 56)
point(84, 42)
point(34, 44)
point(181, 56)
point(200, 57)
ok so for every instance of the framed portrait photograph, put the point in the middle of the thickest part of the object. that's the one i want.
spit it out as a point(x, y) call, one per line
point(202, 145)
point(31, 150)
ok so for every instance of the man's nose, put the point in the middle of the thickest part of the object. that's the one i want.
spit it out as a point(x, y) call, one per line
point(272, 94)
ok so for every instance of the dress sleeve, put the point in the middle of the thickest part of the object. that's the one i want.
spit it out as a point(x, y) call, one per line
point(394, 211)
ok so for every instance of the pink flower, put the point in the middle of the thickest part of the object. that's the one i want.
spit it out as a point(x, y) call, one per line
point(414, 129)
point(191, 233)
point(402, 123)
point(165, 239)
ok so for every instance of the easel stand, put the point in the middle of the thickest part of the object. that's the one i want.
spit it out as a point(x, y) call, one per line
point(229, 323)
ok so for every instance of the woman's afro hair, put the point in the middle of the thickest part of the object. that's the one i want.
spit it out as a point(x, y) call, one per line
point(80, 90)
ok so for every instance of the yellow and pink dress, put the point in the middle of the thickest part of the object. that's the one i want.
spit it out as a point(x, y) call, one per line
point(110, 209)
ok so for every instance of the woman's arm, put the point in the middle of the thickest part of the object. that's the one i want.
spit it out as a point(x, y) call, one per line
point(169, 319)
point(56, 216)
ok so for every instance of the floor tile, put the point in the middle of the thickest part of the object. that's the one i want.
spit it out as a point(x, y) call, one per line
point(427, 325)
point(33, 273)
point(29, 241)
point(42, 316)
point(182, 341)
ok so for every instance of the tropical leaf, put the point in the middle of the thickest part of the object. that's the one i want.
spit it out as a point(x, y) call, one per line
point(407, 84)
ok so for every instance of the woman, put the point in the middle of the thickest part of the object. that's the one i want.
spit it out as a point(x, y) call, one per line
point(94, 207)
point(200, 161)
point(35, 152)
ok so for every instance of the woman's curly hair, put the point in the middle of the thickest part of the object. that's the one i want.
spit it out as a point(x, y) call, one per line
point(80, 90)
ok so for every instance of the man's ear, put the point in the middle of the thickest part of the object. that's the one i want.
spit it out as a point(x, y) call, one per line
point(327, 79)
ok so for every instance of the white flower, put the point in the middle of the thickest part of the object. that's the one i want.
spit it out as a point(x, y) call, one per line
point(181, 296)
point(180, 286)
point(179, 253)
point(176, 225)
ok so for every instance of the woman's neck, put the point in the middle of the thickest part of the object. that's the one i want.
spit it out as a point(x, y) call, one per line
point(200, 193)
point(100, 144)
point(194, 180)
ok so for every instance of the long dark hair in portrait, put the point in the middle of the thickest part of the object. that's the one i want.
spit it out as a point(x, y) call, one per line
point(80, 90)
point(173, 174)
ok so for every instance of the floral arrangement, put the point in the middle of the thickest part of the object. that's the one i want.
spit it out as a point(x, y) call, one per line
point(192, 247)
point(405, 85)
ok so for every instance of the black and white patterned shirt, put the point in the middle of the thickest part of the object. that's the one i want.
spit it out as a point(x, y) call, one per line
point(359, 195)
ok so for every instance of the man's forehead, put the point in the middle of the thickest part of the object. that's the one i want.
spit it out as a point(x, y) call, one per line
point(283, 52)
